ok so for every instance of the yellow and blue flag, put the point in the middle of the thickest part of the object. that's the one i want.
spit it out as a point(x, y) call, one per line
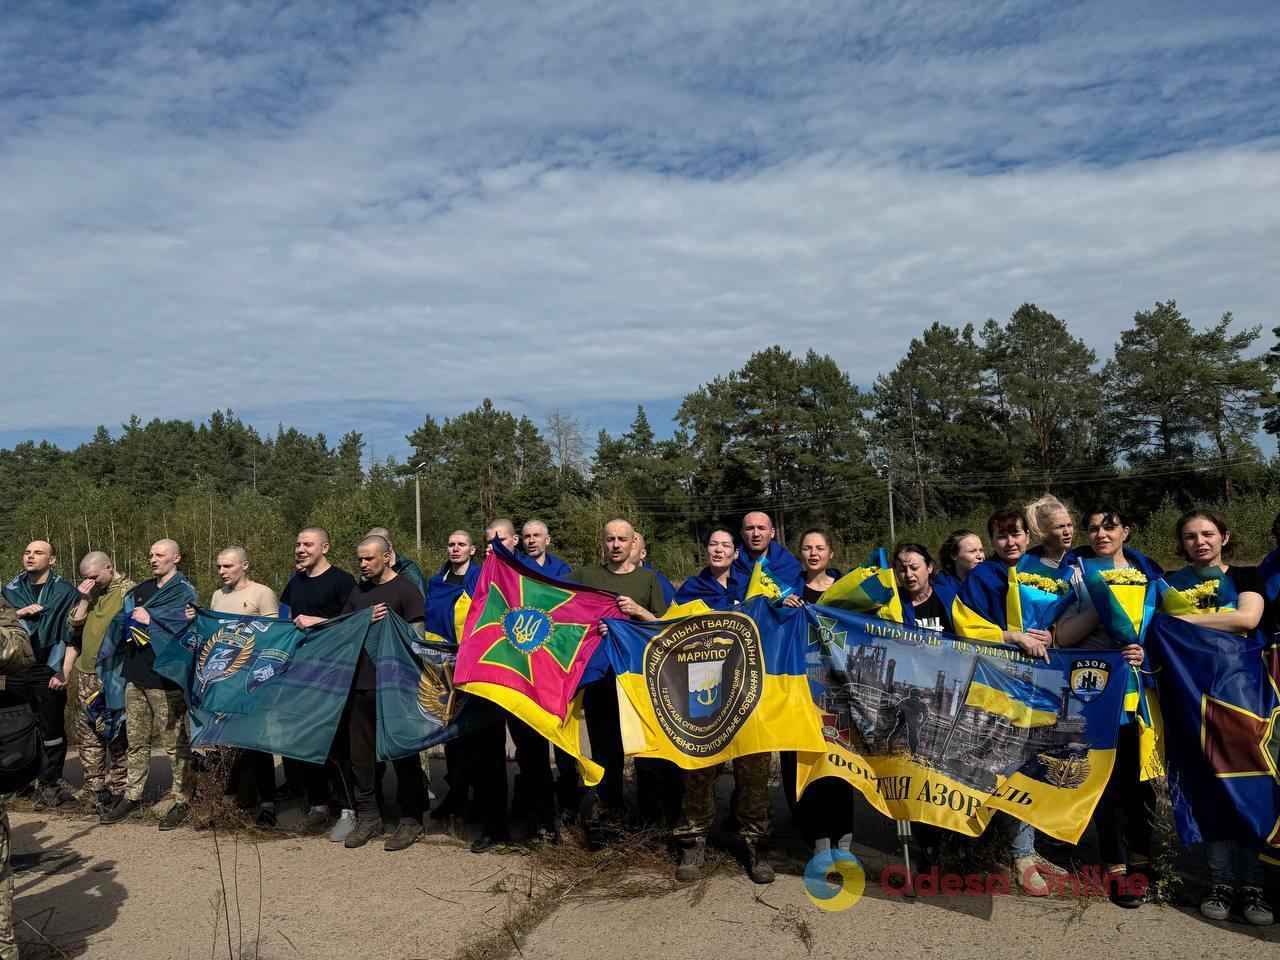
point(715, 685)
point(912, 718)
point(447, 604)
point(764, 584)
point(870, 588)
point(1190, 591)
point(996, 597)
point(1019, 701)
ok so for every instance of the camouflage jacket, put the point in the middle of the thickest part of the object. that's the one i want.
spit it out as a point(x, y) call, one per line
point(15, 646)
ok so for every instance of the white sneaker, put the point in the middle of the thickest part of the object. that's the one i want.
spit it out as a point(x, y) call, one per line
point(342, 829)
point(1254, 908)
point(844, 842)
point(821, 845)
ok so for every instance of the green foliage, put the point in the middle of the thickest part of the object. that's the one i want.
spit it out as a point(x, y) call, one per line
point(962, 423)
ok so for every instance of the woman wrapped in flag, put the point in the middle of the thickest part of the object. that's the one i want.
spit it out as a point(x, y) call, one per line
point(959, 555)
point(1014, 598)
point(716, 586)
point(923, 604)
point(1116, 594)
point(1212, 593)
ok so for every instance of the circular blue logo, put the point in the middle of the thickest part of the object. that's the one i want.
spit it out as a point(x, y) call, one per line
point(526, 628)
point(834, 880)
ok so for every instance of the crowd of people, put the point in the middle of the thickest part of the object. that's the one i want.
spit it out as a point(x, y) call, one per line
point(67, 622)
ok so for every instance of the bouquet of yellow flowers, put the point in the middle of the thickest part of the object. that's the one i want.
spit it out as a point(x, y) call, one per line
point(1124, 577)
point(1044, 584)
point(1190, 591)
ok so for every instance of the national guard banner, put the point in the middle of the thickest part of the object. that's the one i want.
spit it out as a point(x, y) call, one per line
point(715, 685)
point(264, 684)
point(942, 730)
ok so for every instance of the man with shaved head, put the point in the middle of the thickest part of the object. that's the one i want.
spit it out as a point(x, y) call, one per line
point(155, 711)
point(758, 541)
point(102, 751)
point(242, 597)
point(536, 538)
point(316, 592)
point(640, 598)
point(43, 601)
point(503, 530)
point(382, 590)
point(535, 787)
point(403, 566)
point(239, 595)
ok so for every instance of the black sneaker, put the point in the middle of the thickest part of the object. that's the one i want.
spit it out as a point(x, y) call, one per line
point(404, 835)
point(175, 817)
point(365, 831)
point(119, 810)
point(758, 868)
point(266, 820)
point(486, 841)
point(317, 821)
point(1120, 890)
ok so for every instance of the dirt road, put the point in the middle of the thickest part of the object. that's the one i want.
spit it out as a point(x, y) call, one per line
point(130, 891)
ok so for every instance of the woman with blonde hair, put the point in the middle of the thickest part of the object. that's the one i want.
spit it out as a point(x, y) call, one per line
point(1049, 522)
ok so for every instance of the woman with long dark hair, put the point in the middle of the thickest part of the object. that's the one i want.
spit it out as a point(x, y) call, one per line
point(1100, 621)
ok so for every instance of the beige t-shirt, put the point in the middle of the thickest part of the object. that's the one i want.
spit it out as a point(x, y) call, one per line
point(255, 600)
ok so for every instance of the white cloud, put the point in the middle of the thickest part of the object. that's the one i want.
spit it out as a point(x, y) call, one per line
point(567, 203)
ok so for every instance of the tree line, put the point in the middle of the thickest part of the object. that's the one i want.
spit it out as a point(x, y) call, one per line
point(968, 418)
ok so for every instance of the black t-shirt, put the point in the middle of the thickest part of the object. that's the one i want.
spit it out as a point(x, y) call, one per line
point(139, 665)
point(1247, 580)
point(452, 577)
point(932, 615)
point(322, 596)
point(399, 594)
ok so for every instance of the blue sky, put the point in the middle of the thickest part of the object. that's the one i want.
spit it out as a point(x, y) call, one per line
point(351, 214)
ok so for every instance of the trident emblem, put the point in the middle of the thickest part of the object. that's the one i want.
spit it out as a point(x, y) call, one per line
point(527, 629)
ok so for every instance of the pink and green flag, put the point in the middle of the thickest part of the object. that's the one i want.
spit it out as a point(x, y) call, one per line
point(526, 644)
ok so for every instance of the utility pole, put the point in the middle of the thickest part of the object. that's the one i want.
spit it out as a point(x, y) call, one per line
point(893, 533)
point(417, 501)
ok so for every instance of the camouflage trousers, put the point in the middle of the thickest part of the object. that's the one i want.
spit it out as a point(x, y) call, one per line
point(159, 716)
point(8, 943)
point(751, 799)
point(104, 763)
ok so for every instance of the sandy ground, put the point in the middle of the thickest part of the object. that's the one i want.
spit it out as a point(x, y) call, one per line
point(84, 890)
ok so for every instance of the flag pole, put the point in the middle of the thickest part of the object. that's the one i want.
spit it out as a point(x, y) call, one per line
point(959, 708)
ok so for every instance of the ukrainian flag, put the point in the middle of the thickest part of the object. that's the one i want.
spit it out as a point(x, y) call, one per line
point(720, 684)
point(1022, 703)
point(868, 589)
point(763, 584)
point(686, 609)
